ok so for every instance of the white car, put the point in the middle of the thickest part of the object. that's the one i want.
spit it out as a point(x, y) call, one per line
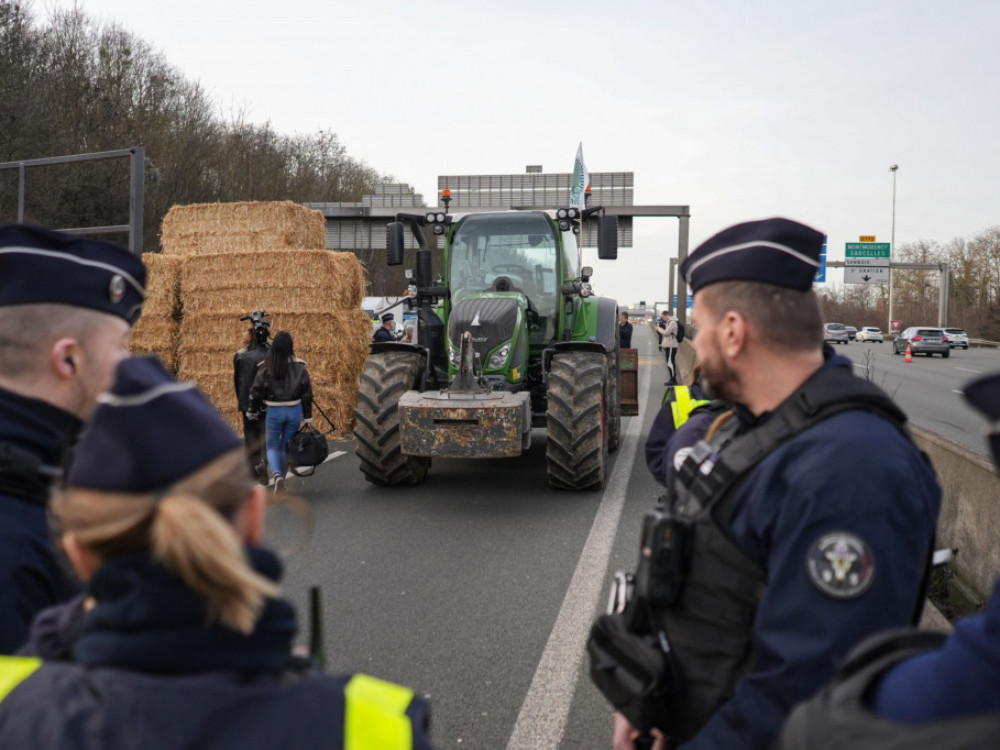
point(957, 338)
point(870, 333)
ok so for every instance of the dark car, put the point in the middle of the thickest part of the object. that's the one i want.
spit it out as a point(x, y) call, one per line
point(852, 333)
point(922, 341)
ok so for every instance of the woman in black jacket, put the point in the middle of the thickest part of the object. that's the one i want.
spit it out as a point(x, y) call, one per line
point(282, 383)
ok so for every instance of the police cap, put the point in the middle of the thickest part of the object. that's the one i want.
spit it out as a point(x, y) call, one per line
point(387, 317)
point(147, 432)
point(775, 251)
point(42, 266)
point(984, 395)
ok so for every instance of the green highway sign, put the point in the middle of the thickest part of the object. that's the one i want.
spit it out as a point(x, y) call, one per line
point(866, 250)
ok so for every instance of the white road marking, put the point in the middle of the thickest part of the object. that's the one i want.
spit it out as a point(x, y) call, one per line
point(965, 369)
point(960, 393)
point(335, 454)
point(542, 719)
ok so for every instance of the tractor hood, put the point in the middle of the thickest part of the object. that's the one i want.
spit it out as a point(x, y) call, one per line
point(490, 320)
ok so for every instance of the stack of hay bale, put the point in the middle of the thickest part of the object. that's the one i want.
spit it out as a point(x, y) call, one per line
point(157, 330)
point(239, 257)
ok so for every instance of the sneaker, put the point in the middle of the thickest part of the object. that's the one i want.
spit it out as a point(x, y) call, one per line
point(278, 483)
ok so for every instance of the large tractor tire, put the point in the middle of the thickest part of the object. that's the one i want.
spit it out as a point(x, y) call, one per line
point(613, 403)
point(577, 447)
point(385, 378)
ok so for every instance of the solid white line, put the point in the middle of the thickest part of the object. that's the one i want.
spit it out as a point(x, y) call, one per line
point(542, 718)
point(965, 369)
point(335, 454)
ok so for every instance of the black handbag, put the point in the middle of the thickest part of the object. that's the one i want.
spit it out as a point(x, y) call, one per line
point(307, 448)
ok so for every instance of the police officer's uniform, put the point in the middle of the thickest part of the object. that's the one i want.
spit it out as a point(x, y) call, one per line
point(40, 266)
point(147, 670)
point(383, 333)
point(800, 555)
point(906, 689)
point(680, 404)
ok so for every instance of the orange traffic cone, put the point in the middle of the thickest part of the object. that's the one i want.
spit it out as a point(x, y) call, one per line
point(909, 354)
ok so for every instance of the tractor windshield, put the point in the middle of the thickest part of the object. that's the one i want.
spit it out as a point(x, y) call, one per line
point(509, 252)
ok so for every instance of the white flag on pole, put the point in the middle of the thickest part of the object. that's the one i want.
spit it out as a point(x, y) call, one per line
point(580, 182)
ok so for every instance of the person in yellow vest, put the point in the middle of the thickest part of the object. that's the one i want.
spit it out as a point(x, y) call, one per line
point(181, 639)
point(680, 403)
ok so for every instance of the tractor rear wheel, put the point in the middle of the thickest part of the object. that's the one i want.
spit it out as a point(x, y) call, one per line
point(385, 378)
point(577, 446)
point(613, 403)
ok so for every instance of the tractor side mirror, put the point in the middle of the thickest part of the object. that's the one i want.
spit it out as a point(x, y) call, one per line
point(395, 234)
point(607, 237)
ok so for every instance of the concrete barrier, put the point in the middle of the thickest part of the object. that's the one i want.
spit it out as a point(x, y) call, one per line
point(970, 510)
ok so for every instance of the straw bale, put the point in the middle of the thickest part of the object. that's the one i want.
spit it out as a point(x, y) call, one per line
point(163, 284)
point(294, 281)
point(219, 389)
point(156, 334)
point(241, 227)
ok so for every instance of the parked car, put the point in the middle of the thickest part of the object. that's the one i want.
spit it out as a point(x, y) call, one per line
point(852, 332)
point(957, 337)
point(835, 333)
point(870, 333)
point(922, 341)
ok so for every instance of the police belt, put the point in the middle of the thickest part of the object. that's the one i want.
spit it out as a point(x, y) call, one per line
point(631, 656)
point(24, 476)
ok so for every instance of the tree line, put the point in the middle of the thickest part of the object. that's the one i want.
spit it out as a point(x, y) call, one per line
point(973, 292)
point(69, 85)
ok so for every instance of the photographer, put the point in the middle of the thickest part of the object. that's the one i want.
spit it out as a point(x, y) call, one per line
point(245, 364)
point(770, 555)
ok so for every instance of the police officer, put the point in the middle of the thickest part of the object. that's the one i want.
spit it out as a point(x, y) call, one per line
point(245, 363)
point(783, 554)
point(66, 307)
point(183, 641)
point(681, 403)
point(905, 689)
point(624, 331)
point(386, 332)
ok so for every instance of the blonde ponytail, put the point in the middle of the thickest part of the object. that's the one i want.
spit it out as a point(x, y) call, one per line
point(196, 543)
point(188, 528)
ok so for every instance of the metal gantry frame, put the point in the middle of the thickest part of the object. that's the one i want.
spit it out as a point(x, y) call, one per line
point(136, 156)
point(944, 269)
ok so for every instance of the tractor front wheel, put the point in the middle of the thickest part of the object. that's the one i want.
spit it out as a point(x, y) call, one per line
point(577, 437)
point(385, 378)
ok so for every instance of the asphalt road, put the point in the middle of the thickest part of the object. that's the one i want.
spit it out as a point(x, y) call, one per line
point(478, 587)
point(929, 389)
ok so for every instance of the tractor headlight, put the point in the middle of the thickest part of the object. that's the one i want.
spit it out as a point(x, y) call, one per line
point(499, 358)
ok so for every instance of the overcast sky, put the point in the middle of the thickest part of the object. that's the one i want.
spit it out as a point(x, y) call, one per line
point(740, 109)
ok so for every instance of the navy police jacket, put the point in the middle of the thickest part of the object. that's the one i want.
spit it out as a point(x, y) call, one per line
point(962, 678)
point(803, 512)
point(142, 670)
point(32, 573)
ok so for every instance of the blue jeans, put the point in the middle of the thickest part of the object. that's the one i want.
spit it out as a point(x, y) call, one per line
point(282, 422)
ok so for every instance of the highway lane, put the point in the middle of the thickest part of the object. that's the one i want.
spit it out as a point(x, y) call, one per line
point(476, 588)
point(929, 389)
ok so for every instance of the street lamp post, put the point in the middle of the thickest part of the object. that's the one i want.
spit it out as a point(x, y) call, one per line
point(892, 240)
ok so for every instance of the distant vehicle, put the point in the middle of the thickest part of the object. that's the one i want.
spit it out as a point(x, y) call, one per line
point(957, 338)
point(927, 341)
point(870, 333)
point(835, 333)
point(852, 332)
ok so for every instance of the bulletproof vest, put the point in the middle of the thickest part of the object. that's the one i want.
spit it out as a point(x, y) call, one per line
point(709, 623)
point(22, 475)
point(838, 718)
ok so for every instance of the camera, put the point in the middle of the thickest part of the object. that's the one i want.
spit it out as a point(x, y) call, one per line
point(261, 325)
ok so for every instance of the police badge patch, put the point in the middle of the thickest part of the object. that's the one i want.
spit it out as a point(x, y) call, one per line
point(116, 289)
point(841, 565)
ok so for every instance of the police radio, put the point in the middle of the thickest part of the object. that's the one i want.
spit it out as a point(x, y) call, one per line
point(666, 539)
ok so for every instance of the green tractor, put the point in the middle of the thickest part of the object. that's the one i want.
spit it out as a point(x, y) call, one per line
point(509, 337)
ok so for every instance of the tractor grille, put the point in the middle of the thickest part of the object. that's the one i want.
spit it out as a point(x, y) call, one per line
point(494, 319)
